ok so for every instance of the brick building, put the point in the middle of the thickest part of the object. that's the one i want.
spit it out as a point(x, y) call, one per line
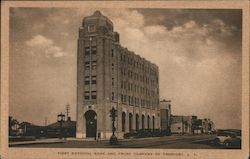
point(109, 75)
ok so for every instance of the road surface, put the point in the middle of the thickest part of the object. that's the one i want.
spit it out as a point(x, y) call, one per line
point(169, 142)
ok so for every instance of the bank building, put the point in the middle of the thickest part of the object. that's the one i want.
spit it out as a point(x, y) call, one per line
point(109, 75)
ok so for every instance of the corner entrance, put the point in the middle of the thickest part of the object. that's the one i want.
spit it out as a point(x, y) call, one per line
point(91, 124)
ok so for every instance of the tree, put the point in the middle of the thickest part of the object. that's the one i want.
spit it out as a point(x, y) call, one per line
point(12, 122)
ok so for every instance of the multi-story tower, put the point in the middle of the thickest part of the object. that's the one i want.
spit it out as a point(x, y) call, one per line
point(109, 75)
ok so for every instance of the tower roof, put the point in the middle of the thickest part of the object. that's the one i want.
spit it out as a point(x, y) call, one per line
point(97, 13)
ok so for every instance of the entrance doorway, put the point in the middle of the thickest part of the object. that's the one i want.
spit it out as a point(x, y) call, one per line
point(91, 124)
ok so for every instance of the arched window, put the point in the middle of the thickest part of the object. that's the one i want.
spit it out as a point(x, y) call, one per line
point(153, 122)
point(143, 121)
point(137, 122)
point(148, 122)
point(130, 121)
point(123, 121)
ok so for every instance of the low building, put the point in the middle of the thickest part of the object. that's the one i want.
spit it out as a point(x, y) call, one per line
point(207, 126)
point(182, 124)
point(66, 129)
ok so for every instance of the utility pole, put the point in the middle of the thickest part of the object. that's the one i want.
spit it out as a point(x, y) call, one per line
point(113, 138)
point(60, 119)
point(67, 111)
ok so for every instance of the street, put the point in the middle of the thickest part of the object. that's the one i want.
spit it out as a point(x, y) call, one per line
point(174, 141)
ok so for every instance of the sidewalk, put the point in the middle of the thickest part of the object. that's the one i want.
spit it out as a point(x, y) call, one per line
point(87, 141)
point(38, 141)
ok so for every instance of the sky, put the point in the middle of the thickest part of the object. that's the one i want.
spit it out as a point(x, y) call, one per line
point(198, 53)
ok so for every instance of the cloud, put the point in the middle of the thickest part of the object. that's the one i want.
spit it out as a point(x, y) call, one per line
point(54, 51)
point(41, 44)
point(38, 41)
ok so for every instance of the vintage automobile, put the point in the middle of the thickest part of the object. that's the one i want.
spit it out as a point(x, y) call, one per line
point(228, 138)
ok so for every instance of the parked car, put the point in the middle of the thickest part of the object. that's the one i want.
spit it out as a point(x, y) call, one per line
point(228, 139)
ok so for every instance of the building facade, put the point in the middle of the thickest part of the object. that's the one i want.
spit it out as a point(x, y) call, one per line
point(165, 114)
point(191, 125)
point(109, 75)
point(181, 124)
point(208, 126)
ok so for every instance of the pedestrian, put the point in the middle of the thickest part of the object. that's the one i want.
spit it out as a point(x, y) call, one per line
point(98, 136)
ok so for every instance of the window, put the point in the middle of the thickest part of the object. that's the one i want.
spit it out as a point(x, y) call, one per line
point(93, 80)
point(87, 79)
point(87, 65)
point(87, 51)
point(125, 98)
point(112, 53)
point(132, 100)
point(112, 67)
point(86, 95)
point(93, 95)
point(93, 63)
point(112, 82)
point(113, 96)
point(121, 71)
point(91, 28)
point(93, 50)
point(123, 121)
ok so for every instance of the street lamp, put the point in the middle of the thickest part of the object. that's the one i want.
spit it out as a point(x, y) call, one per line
point(60, 119)
point(113, 138)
